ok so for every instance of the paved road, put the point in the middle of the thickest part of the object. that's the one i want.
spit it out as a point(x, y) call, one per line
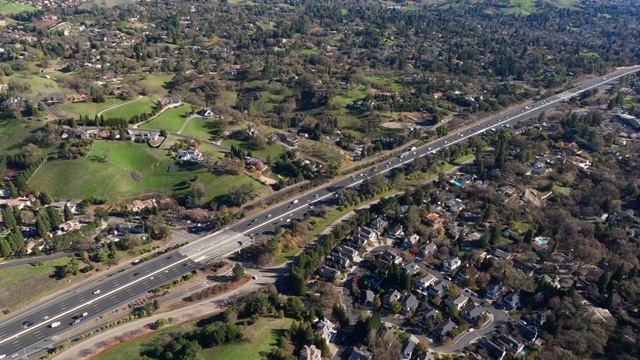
point(135, 282)
point(28, 260)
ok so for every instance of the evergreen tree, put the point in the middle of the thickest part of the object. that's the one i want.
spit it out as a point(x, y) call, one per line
point(55, 219)
point(5, 248)
point(68, 214)
point(297, 282)
point(8, 218)
point(42, 226)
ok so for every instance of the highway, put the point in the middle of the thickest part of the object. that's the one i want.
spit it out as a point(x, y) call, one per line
point(18, 341)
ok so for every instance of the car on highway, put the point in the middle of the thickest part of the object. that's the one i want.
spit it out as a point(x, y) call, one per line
point(96, 292)
point(2, 356)
point(295, 201)
point(27, 323)
point(136, 261)
point(269, 215)
point(55, 324)
point(255, 277)
point(75, 321)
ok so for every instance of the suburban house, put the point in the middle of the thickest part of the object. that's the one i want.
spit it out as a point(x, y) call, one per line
point(60, 205)
point(139, 205)
point(539, 317)
point(367, 233)
point(391, 296)
point(472, 313)
point(510, 234)
point(310, 353)
point(327, 330)
point(328, 273)
point(439, 289)
point(443, 329)
point(423, 283)
point(131, 228)
point(395, 232)
point(360, 353)
point(409, 345)
point(457, 302)
point(410, 304)
point(495, 351)
point(410, 241)
point(510, 344)
point(470, 272)
point(206, 112)
point(390, 257)
point(427, 315)
point(379, 223)
point(411, 268)
point(346, 251)
point(428, 249)
point(68, 226)
point(501, 254)
point(512, 301)
point(339, 262)
point(451, 264)
point(257, 165)
point(367, 298)
point(495, 290)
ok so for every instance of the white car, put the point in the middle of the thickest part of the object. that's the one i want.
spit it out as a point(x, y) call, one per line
point(295, 201)
point(2, 356)
point(255, 277)
point(55, 324)
point(96, 292)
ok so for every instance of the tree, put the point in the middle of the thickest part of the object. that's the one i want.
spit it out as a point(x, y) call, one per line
point(42, 226)
point(240, 194)
point(70, 269)
point(340, 314)
point(238, 272)
point(8, 218)
point(54, 217)
point(297, 282)
point(295, 307)
point(396, 307)
point(5, 248)
point(68, 214)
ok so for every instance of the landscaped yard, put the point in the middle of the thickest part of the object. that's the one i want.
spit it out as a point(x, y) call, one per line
point(137, 107)
point(88, 108)
point(273, 150)
point(8, 7)
point(171, 119)
point(113, 179)
point(23, 284)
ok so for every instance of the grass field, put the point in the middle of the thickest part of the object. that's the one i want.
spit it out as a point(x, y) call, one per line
point(40, 86)
point(203, 129)
point(23, 284)
point(86, 177)
point(171, 119)
point(8, 7)
point(89, 108)
point(273, 150)
point(14, 133)
point(138, 107)
point(155, 82)
point(227, 98)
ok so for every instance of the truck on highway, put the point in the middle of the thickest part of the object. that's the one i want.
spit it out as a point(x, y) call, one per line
point(55, 324)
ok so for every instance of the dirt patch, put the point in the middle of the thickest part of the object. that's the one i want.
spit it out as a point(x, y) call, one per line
point(532, 197)
point(207, 293)
point(266, 180)
point(396, 125)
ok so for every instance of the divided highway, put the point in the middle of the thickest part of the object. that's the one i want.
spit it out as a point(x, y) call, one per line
point(30, 332)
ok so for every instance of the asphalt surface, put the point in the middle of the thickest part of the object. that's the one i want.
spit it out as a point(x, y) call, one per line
point(17, 342)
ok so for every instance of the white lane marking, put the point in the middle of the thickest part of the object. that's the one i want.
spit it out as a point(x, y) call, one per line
point(92, 301)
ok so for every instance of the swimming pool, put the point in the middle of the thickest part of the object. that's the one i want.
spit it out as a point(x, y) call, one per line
point(542, 240)
point(457, 182)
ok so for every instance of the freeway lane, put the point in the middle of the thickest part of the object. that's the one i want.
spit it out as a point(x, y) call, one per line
point(122, 288)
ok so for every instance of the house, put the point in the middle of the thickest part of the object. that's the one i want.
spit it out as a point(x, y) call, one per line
point(68, 226)
point(472, 313)
point(346, 251)
point(428, 249)
point(501, 254)
point(391, 296)
point(206, 112)
point(153, 136)
point(512, 301)
point(326, 329)
point(411, 268)
point(495, 290)
point(410, 241)
point(410, 304)
point(443, 329)
point(310, 353)
point(190, 155)
point(510, 343)
point(428, 315)
point(130, 228)
point(341, 262)
point(495, 351)
point(328, 273)
point(510, 234)
point(469, 272)
point(60, 205)
point(539, 317)
point(457, 302)
point(395, 232)
point(253, 164)
point(367, 233)
point(451, 264)
point(439, 289)
point(170, 101)
point(367, 298)
point(360, 353)
point(138, 205)
point(390, 257)
point(421, 284)
point(408, 347)
point(527, 332)
point(379, 223)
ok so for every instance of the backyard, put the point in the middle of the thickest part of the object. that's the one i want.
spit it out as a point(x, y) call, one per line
point(171, 119)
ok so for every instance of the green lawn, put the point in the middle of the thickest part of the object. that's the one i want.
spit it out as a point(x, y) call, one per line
point(86, 177)
point(273, 150)
point(351, 95)
point(262, 337)
point(380, 81)
point(40, 86)
point(89, 108)
point(8, 130)
point(8, 7)
point(171, 119)
point(227, 98)
point(203, 129)
point(155, 82)
point(137, 107)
